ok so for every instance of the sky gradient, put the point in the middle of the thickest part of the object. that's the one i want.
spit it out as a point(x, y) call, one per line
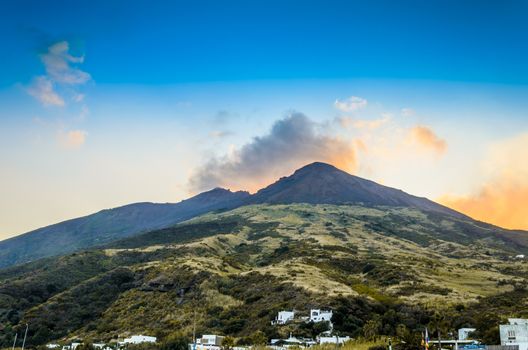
point(108, 103)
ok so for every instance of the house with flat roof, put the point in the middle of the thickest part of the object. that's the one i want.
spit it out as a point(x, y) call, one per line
point(515, 333)
point(208, 342)
point(463, 333)
point(283, 317)
point(318, 315)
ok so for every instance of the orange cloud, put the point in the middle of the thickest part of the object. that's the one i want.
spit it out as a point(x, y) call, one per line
point(368, 124)
point(503, 199)
point(424, 136)
point(501, 203)
point(72, 139)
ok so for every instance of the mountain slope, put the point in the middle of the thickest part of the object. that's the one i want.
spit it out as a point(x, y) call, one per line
point(112, 224)
point(232, 271)
point(316, 183)
point(321, 183)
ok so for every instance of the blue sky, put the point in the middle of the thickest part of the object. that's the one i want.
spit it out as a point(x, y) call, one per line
point(103, 103)
point(166, 42)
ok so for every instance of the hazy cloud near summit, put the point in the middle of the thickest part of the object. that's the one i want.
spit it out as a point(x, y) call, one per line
point(502, 198)
point(291, 143)
point(365, 147)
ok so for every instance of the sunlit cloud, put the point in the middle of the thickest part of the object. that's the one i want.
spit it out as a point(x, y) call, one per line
point(426, 138)
point(42, 89)
point(365, 147)
point(72, 139)
point(292, 142)
point(369, 124)
point(351, 104)
point(502, 198)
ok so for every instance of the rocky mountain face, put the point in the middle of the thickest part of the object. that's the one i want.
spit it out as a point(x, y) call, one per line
point(320, 183)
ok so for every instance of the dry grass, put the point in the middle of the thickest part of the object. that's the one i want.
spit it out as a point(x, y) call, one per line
point(356, 344)
point(308, 277)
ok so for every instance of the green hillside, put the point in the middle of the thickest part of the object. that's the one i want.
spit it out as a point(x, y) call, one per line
point(231, 272)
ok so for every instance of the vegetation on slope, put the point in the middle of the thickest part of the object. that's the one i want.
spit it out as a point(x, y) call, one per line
point(383, 271)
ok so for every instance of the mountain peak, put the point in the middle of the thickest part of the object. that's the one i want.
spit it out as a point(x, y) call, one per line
point(322, 183)
point(316, 166)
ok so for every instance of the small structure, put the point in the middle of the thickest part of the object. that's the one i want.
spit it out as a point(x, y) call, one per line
point(138, 339)
point(53, 346)
point(284, 317)
point(520, 256)
point(463, 333)
point(208, 342)
point(317, 315)
point(72, 346)
point(333, 340)
point(282, 344)
point(515, 333)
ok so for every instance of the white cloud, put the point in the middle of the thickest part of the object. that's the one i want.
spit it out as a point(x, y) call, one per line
point(42, 89)
point(60, 72)
point(351, 104)
point(407, 112)
point(58, 63)
point(78, 97)
point(218, 134)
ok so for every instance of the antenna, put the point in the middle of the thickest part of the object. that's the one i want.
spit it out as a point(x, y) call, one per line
point(194, 328)
point(14, 343)
point(25, 335)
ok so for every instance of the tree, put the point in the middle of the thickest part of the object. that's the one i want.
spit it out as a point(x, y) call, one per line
point(228, 343)
point(175, 341)
point(85, 346)
point(439, 326)
point(259, 338)
point(408, 340)
point(402, 332)
point(371, 329)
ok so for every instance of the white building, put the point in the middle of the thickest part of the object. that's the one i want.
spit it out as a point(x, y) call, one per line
point(284, 317)
point(72, 346)
point(317, 315)
point(138, 339)
point(52, 346)
point(515, 333)
point(463, 333)
point(333, 340)
point(208, 342)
